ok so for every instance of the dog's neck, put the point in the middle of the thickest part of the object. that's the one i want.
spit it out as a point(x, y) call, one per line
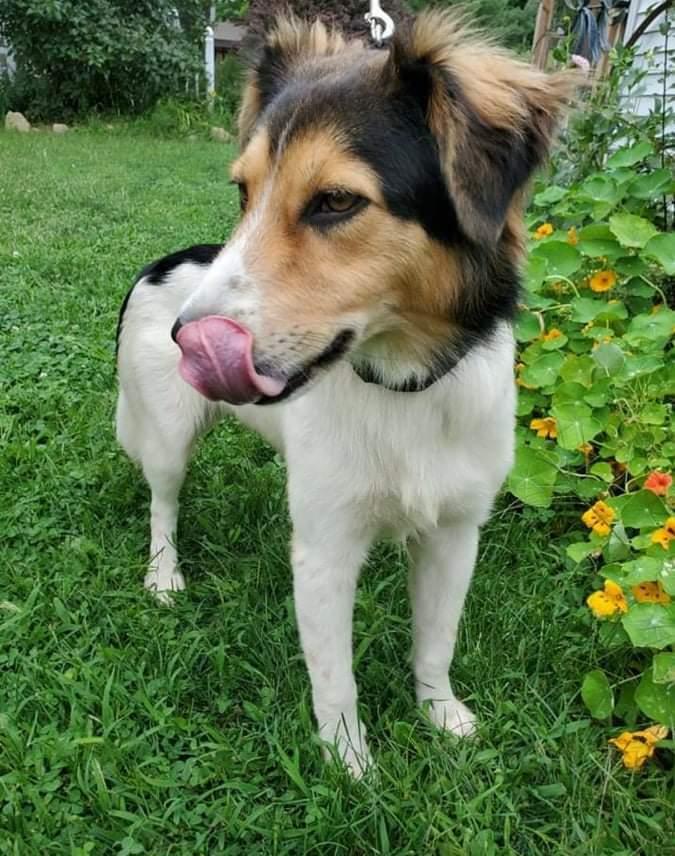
point(399, 377)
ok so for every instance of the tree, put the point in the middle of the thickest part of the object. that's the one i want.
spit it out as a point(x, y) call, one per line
point(348, 16)
point(510, 21)
point(119, 55)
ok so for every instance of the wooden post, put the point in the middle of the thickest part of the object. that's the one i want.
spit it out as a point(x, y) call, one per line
point(542, 28)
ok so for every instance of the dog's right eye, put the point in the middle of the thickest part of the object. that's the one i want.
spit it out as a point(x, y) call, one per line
point(332, 207)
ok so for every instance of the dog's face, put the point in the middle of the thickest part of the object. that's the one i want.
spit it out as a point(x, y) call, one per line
point(381, 208)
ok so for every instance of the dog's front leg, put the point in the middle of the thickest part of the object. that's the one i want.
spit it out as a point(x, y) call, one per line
point(439, 579)
point(327, 556)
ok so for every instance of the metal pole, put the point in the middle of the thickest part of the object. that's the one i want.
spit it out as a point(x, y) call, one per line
point(210, 65)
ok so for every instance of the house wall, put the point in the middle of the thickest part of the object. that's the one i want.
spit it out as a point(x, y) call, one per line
point(656, 55)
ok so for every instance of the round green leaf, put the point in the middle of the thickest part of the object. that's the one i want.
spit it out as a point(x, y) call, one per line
point(650, 184)
point(527, 326)
point(597, 694)
point(532, 478)
point(549, 196)
point(640, 509)
point(662, 248)
point(645, 569)
point(562, 259)
point(578, 369)
point(544, 370)
point(650, 625)
point(585, 309)
point(629, 156)
point(657, 701)
point(576, 424)
point(609, 357)
point(663, 669)
point(632, 231)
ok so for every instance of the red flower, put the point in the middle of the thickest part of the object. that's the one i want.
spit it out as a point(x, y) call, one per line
point(658, 483)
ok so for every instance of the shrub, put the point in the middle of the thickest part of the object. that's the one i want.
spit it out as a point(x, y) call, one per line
point(596, 376)
point(120, 55)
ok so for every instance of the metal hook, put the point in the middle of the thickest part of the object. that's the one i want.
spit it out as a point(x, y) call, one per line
point(381, 25)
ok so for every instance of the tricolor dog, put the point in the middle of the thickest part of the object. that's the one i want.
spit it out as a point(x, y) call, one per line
point(359, 319)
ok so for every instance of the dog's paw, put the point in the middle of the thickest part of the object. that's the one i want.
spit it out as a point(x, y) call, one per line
point(161, 584)
point(349, 748)
point(451, 715)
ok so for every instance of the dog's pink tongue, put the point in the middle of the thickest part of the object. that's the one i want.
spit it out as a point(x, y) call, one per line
point(217, 359)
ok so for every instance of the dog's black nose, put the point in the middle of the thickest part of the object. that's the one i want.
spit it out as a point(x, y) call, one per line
point(176, 327)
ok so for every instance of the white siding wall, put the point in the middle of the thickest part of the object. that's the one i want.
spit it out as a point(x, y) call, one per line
point(651, 55)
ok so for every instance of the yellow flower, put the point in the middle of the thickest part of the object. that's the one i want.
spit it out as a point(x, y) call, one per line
point(603, 280)
point(586, 450)
point(661, 537)
point(599, 518)
point(546, 427)
point(572, 237)
point(553, 333)
point(543, 231)
point(638, 746)
point(607, 602)
point(664, 535)
point(650, 593)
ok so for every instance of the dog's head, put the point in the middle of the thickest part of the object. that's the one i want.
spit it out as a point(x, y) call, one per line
point(381, 196)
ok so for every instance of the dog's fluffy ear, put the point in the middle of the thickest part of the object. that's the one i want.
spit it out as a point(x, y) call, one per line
point(493, 116)
point(288, 45)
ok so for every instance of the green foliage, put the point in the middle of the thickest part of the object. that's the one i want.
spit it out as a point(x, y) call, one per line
point(597, 376)
point(510, 22)
point(606, 123)
point(102, 55)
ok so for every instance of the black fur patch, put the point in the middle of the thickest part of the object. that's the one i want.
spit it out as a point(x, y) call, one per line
point(331, 354)
point(200, 254)
point(156, 272)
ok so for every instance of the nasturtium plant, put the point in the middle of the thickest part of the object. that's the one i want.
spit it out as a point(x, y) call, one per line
point(596, 375)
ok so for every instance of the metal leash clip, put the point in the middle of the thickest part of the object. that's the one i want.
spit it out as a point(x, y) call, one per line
point(381, 25)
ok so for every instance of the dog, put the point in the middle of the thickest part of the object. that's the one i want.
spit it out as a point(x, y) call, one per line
point(360, 320)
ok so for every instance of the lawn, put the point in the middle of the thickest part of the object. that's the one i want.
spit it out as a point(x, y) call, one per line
point(128, 728)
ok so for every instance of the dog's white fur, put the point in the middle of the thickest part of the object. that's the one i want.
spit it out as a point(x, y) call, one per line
point(363, 462)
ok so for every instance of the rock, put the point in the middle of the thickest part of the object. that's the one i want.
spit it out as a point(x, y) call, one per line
point(58, 128)
point(221, 135)
point(16, 122)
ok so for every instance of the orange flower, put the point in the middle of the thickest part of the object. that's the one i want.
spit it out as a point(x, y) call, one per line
point(572, 237)
point(553, 333)
point(546, 427)
point(650, 593)
point(607, 602)
point(665, 534)
point(543, 231)
point(599, 518)
point(658, 483)
point(603, 280)
point(638, 746)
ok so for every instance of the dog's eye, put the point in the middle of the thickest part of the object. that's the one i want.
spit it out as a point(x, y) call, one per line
point(332, 207)
point(337, 201)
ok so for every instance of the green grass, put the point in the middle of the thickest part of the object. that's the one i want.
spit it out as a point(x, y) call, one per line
point(127, 728)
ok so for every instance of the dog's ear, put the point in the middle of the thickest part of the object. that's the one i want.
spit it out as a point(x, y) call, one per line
point(494, 117)
point(288, 45)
